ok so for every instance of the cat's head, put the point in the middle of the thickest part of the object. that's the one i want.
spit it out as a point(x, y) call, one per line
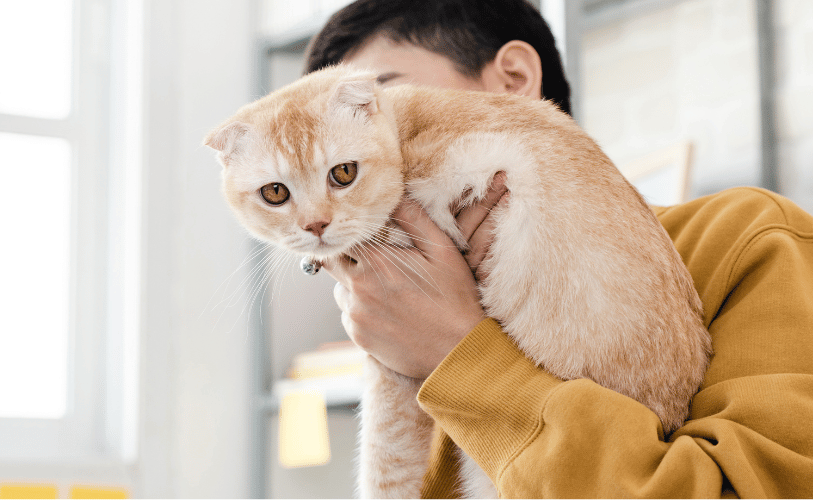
point(314, 167)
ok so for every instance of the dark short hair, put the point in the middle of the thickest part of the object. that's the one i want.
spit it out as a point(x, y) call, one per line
point(467, 32)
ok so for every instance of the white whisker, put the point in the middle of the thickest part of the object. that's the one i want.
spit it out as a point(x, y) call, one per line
point(401, 232)
point(258, 277)
point(363, 250)
point(258, 268)
point(395, 264)
point(425, 275)
point(254, 253)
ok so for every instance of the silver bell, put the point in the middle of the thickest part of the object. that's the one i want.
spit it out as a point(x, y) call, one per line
point(310, 266)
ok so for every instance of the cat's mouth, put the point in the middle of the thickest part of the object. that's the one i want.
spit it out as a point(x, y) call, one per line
point(322, 249)
point(323, 245)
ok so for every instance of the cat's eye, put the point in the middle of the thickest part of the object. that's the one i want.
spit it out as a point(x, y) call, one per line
point(342, 175)
point(275, 193)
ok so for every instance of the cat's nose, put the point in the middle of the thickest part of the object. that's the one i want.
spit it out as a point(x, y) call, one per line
point(317, 227)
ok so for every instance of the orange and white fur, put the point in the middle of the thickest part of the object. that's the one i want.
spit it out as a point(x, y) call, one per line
point(580, 273)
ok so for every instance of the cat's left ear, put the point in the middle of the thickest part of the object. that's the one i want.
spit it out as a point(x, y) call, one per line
point(227, 140)
point(357, 94)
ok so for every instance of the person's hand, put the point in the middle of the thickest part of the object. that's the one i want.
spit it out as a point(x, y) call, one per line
point(478, 226)
point(409, 307)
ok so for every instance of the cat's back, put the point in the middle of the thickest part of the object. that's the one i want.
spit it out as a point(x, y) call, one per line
point(454, 112)
point(433, 121)
point(598, 270)
point(445, 133)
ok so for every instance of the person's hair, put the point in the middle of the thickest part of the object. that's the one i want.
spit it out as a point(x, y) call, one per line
point(467, 32)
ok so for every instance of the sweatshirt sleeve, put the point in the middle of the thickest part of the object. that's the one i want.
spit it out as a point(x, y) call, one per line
point(751, 255)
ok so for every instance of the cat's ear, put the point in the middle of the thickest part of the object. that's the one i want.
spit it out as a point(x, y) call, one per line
point(228, 140)
point(357, 94)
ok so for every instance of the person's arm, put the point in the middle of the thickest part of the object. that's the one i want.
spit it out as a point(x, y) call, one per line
point(751, 255)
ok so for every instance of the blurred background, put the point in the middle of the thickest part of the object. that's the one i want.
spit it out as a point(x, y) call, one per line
point(140, 352)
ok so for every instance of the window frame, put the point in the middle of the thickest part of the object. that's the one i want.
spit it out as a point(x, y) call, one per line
point(99, 423)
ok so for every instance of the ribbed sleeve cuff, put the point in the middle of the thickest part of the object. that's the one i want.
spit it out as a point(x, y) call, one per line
point(488, 397)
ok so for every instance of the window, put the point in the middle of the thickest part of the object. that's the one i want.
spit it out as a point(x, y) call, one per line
point(35, 207)
point(69, 218)
point(35, 210)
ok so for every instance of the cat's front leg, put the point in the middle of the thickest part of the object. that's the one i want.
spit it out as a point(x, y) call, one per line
point(395, 435)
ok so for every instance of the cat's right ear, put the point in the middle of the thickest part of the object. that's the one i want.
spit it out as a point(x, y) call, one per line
point(358, 95)
point(228, 140)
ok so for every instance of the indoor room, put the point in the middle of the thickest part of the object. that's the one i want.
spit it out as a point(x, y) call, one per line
point(155, 348)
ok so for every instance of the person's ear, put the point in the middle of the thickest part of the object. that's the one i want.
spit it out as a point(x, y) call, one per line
point(516, 69)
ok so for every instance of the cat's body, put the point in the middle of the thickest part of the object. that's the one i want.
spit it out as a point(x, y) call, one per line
point(580, 273)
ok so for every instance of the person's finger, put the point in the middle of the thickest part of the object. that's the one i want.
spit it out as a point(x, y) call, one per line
point(341, 296)
point(348, 326)
point(340, 268)
point(364, 258)
point(480, 242)
point(426, 235)
point(470, 218)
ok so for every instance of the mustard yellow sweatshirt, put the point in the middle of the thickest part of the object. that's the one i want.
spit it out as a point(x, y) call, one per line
point(750, 433)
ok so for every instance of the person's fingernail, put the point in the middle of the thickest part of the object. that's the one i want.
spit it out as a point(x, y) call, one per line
point(499, 180)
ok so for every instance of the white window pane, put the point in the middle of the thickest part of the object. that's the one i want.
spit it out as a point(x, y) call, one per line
point(34, 265)
point(35, 57)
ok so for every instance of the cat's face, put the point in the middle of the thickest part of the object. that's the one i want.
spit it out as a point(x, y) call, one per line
point(314, 168)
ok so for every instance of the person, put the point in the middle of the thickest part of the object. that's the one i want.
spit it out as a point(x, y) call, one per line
point(749, 251)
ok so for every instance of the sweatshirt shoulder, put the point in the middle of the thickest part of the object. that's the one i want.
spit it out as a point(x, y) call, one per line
point(712, 232)
point(741, 210)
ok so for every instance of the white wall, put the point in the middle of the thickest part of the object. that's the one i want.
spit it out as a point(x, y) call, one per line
point(689, 72)
point(685, 72)
point(195, 350)
point(794, 24)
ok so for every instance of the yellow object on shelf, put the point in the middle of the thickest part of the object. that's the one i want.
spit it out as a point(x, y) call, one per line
point(28, 491)
point(97, 492)
point(329, 360)
point(303, 434)
point(325, 371)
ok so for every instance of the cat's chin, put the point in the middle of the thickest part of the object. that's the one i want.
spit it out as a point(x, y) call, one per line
point(324, 251)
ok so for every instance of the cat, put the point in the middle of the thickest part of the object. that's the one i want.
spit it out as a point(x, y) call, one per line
point(580, 274)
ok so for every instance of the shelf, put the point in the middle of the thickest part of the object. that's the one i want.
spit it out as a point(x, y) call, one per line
point(339, 391)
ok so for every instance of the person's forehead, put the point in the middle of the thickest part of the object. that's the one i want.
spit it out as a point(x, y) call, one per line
point(410, 62)
point(382, 52)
